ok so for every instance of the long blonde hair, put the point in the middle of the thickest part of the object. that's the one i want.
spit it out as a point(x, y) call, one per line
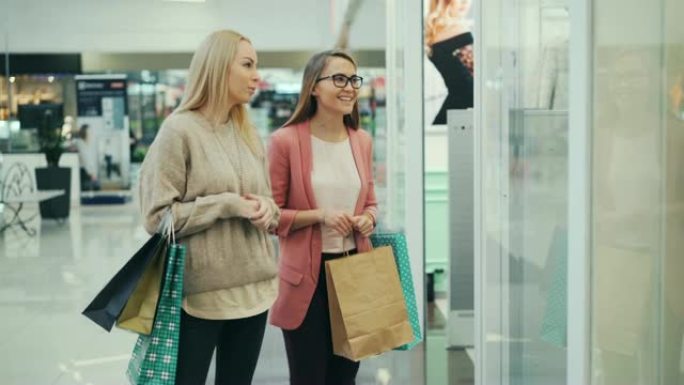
point(436, 20)
point(208, 84)
point(307, 105)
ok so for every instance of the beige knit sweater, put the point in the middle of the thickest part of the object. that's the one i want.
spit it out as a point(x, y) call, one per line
point(193, 168)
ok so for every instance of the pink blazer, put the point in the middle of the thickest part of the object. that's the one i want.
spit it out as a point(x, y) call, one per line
point(290, 165)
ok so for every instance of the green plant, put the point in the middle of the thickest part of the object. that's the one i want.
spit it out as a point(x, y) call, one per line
point(138, 155)
point(51, 139)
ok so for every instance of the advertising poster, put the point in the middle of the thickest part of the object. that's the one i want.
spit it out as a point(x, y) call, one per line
point(449, 62)
point(103, 112)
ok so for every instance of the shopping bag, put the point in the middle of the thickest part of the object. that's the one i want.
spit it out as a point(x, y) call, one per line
point(108, 304)
point(139, 313)
point(155, 356)
point(367, 309)
point(400, 249)
point(555, 322)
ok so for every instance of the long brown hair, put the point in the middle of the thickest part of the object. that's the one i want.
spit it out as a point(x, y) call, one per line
point(208, 84)
point(307, 104)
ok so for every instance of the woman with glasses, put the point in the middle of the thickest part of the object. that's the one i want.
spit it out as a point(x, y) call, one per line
point(321, 175)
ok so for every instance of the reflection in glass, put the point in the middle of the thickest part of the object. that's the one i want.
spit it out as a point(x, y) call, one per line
point(638, 191)
point(524, 166)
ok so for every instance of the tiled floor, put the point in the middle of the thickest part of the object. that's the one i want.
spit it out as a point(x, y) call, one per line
point(444, 366)
point(47, 280)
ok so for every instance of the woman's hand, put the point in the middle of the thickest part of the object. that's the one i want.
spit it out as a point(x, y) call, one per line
point(264, 214)
point(339, 221)
point(249, 208)
point(363, 224)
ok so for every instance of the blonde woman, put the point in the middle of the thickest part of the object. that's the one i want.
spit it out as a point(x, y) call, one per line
point(208, 166)
point(449, 45)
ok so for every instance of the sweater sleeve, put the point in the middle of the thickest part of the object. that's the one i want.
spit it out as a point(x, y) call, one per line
point(163, 181)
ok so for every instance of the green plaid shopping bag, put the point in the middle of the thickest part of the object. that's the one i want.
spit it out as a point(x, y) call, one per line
point(400, 249)
point(155, 356)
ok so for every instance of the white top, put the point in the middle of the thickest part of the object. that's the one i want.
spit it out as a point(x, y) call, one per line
point(234, 303)
point(336, 186)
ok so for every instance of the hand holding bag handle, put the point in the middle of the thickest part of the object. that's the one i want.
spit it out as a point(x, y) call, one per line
point(155, 356)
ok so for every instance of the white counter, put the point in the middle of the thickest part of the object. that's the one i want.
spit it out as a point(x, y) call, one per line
point(32, 161)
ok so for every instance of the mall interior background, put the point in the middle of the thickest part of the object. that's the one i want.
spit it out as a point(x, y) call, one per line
point(72, 58)
point(576, 129)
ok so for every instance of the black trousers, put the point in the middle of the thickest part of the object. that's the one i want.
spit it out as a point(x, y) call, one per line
point(309, 348)
point(237, 343)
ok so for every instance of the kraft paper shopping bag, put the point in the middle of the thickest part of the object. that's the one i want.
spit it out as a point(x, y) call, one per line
point(401, 257)
point(367, 309)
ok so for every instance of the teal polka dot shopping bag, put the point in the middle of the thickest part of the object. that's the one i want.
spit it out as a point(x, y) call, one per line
point(400, 249)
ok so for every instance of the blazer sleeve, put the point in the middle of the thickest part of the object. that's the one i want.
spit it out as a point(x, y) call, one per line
point(275, 221)
point(163, 179)
point(371, 205)
point(279, 170)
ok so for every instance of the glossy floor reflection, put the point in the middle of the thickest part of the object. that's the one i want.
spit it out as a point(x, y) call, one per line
point(48, 279)
point(444, 366)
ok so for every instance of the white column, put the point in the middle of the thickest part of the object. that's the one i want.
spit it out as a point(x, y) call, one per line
point(579, 189)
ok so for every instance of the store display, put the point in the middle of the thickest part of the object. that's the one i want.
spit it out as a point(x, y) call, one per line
point(280, 105)
point(103, 106)
point(32, 115)
point(4, 98)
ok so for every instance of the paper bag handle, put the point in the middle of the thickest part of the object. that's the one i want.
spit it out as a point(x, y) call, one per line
point(167, 226)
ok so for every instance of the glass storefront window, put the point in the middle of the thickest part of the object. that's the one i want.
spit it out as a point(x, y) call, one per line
point(521, 138)
point(637, 314)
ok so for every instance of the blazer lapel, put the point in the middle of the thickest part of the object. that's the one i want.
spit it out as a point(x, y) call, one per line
point(307, 161)
point(357, 152)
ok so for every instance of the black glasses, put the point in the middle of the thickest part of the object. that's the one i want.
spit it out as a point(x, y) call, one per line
point(340, 80)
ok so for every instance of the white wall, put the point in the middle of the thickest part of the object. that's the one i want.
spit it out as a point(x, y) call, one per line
point(161, 26)
point(436, 148)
